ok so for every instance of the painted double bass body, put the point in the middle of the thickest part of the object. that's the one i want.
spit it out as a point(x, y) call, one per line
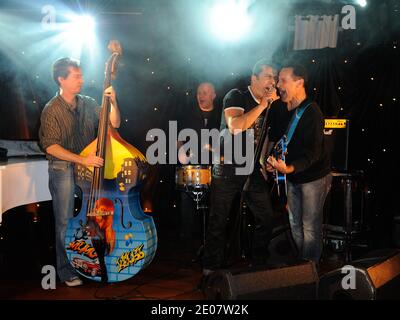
point(110, 238)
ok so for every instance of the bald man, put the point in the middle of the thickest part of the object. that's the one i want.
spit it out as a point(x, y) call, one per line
point(205, 96)
point(204, 115)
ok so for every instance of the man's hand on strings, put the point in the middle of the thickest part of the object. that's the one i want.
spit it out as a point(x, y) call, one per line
point(91, 160)
point(278, 164)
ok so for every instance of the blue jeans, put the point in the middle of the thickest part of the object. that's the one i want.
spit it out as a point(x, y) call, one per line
point(62, 188)
point(305, 204)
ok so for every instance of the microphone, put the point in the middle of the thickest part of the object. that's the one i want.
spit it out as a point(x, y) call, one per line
point(270, 90)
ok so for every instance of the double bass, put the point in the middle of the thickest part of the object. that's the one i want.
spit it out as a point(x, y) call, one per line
point(110, 239)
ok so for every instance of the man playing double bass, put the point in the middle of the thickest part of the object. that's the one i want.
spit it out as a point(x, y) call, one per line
point(68, 124)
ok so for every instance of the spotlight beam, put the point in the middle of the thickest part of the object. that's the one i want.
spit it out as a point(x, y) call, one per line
point(229, 21)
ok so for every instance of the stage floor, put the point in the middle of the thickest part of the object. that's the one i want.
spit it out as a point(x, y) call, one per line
point(173, 275)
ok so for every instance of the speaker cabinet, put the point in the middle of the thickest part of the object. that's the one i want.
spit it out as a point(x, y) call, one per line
point(295, 282)
point(3, 154)
point(346, 205)
point(336, 132)
point(396, 231)
point(374, 277)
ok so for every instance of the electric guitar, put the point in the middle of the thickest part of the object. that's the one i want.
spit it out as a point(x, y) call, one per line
point(279, 152)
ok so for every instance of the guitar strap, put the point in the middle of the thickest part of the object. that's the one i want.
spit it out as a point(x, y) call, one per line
point(289, 133)
point(294, 121)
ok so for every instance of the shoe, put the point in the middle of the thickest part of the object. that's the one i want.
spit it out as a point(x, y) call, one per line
point(74, 282)
point(207, 272)
point(203, 283)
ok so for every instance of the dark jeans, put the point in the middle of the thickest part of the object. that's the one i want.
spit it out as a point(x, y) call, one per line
point(225, 186)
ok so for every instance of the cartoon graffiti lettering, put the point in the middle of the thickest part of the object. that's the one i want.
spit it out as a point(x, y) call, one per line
point(84, 248)
point(130, 258)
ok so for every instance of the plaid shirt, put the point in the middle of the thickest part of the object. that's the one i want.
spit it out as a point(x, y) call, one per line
point(72, 129)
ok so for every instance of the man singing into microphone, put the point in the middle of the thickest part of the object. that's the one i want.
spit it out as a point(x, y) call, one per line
point(242, 111)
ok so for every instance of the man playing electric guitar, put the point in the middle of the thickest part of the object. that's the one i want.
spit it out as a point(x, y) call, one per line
point(306, 164)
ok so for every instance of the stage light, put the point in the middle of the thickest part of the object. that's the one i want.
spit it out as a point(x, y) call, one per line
point(362, 3)
point(229, 21)
point(81, 28)
point(77, 32)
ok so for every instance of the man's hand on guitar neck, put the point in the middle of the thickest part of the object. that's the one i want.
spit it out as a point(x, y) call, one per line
point(274, 164)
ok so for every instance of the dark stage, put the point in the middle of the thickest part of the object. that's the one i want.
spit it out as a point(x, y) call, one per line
point(161, 54)
point(176, 272)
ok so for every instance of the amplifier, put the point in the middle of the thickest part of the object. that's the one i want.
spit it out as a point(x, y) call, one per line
point(336, 132)
point(3, 153)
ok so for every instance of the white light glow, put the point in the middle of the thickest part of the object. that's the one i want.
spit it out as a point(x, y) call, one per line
point(362, 3)
point(77, 32)
point(229, 20)
point(82, 28)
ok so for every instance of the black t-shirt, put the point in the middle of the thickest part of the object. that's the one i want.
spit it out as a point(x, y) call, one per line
point(245, 101)
point(306, 151)
point(197, 120)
